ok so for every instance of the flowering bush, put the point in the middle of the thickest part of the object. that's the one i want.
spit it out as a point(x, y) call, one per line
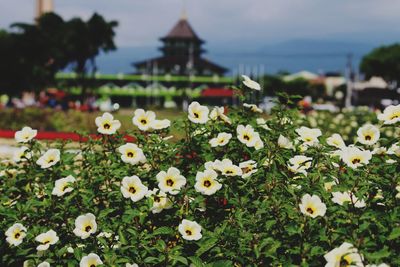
point(237, 190)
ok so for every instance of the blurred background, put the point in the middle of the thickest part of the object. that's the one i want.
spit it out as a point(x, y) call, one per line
point(80, 58)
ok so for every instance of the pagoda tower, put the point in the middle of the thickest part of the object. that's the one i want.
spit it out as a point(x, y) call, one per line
point(182, 55)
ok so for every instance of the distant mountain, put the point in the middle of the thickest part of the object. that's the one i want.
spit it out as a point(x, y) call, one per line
point(292, 56)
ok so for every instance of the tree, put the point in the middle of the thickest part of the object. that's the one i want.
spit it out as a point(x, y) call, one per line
point(383, 61)
point(32, 54)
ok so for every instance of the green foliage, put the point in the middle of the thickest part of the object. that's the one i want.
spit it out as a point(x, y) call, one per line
point(383, 61)
point(253, 221)
point(33, 53)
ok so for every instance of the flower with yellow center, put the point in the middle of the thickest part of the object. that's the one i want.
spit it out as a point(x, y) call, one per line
point(132, 187)
point(248, 168)
point(25, 135)
point(46, 239)
point(49, 158)
point(63, 186)
point(342, 197)
point(247, 135)
point(221, 139)
point(160, 124)
point(206, 182)
point(198, 113)
point(143, 119)
point(85, 225)
point(91, 260)
point(106, 124)
point(299, 164)
point(390, 115)
point(368, 134)
point(190, 230)
point(308, 136)
point(312, 206)
point(249, 83)
point(336, 140)
point(355, 157)
point(346, 255)
point(227, 168)
point(253, 108)
point(132, 154)
point(21, 154)
point(284, 142)
point(218, 113)
point(15, 234)
point(171, 181)
point(160, 200)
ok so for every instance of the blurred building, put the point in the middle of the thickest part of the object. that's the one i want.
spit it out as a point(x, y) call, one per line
point(43, 6)
point(182, 55)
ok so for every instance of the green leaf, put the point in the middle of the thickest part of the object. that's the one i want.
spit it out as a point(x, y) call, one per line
point(207, 245)
point(394, 234)
point(164, 230)
point(196, 261)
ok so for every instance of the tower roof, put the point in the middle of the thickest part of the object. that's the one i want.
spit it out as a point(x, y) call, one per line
point(182, 29)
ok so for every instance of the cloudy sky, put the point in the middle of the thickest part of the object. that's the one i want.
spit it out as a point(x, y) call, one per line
point(219, 21)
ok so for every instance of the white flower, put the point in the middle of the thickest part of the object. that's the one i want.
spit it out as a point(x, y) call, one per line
point(368, 134)
point(247, 135)
point(15, 234)
point(21, 154)
point(262, 123)
point(90, 260)
point(70, 250)
point(198, 113)
point(63, 185)
point(46, 239)
point(398, 191)
point(206, 182)
point(85, 225)
point(308, 136)
point(312, 206)
point(143, 119)
point(248, 168)
point(394, 150)
point(377, 265)
point(355, 157)
point(171, 181)
point(259, 144)
point(190, 230)
point(379, 150)
point(25, 135)
point(221, 139)
point(284, 142)
point(299, 164)
point(218, 112)
point(227, 168)
point(44, 264)
point(132, 154)
point(250, 83)
point(253, 108)
point(106, 124)
point(336, 140)
point(132, 187)
point(160, 200)
point(160, 124)
point(390, 115)
point(48, 159)
point(345, 255)
point(131, 265)
point(341, 197)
